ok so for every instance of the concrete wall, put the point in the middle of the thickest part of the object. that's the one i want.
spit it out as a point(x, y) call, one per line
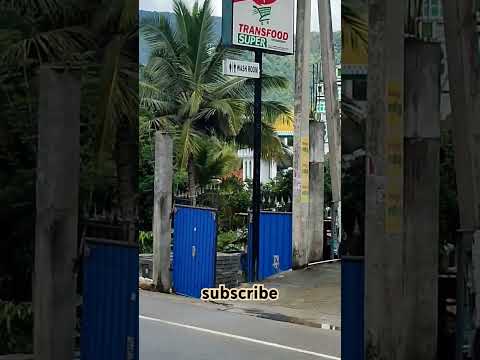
point(228, 268)
point(268, 169)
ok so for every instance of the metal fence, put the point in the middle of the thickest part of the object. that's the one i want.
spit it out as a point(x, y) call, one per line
point(194, 250)
point(352, 308)
point(110, 302)
point(275, 248)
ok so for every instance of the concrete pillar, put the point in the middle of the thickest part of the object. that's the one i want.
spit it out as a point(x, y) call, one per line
point(316, 183)
point(301, 147)
point(421, 198)
point(56, 232)
point(462, 48)
point(332, 112)
point(162, 211)
point(384, 246)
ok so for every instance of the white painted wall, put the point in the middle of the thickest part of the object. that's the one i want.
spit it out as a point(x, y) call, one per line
point(268, 169)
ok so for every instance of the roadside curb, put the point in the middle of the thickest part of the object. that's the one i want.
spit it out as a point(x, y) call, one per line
point(30, 356)
point(277, 317)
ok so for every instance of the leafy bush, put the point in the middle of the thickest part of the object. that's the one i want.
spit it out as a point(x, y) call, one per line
point(277, 193)
point(146, 242)
point(16, 328)
point(232, 240)
point(232, 197)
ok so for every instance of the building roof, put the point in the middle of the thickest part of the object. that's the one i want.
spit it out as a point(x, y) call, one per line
point(283, 126)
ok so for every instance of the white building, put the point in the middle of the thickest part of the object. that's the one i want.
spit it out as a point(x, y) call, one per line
point(321, 94)
point(268, 168)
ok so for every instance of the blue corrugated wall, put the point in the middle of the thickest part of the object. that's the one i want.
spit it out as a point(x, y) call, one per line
point(352, 338)
point(194, 250)
point(275, 241)
point(109, 328)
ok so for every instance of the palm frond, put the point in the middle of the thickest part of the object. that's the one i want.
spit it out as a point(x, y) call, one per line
point(271, 82)
point(52, 46)
point(118, 95)
point(161, 38)
point(229, 112)
point(272, 147)
point(187, 142)
point(234, 87)
point(272, 111)
point(354, 27)
point(202, 39)
point(215, 159)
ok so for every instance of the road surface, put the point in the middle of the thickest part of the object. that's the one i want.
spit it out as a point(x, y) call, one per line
point(178, 328)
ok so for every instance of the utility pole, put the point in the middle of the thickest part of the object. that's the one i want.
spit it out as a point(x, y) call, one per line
point(316, 183)
point(464, 79)
point(257, 156)
point(162, 210)
point(56, 232)
point(421, 199)
point(384, 245)
point(301, 227)
point(332, 111)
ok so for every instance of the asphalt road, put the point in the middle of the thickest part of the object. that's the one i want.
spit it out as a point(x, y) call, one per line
point(177, 328)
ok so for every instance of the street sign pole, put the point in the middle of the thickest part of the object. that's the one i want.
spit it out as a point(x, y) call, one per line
point(257, 150)
point(259, 26)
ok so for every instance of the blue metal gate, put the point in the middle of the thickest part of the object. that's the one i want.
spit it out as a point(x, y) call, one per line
point(352, 291)
point(275, 248)
point(194, 250)
point(110, 302)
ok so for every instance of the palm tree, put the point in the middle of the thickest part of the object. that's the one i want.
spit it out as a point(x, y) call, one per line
point(214, 159)
point(184, 89)
point(66, 35)
point(116, 29)
point(100, 40)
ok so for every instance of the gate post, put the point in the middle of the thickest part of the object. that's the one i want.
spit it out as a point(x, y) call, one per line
point(162, 209)
point(57, 190)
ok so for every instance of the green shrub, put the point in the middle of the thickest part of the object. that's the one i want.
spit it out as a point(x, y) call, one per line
point(277, 193)
point(16, 328)
point(232, 240)
point(146, 242)
point(231, 198)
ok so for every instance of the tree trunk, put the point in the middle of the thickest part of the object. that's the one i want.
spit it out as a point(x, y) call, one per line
point(192, 186)
point(127, 174)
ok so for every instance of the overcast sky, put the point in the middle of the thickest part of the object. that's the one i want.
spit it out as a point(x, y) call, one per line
point(166, 5)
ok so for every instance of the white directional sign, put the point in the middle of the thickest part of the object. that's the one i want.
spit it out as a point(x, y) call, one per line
point(241, 68)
